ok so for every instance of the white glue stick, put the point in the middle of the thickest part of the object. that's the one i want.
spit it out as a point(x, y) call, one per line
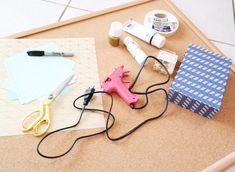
point(146, 34)
point(135, 50)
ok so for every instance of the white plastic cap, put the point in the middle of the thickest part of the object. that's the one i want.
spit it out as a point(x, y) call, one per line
point(115, 29)
point(158, 40)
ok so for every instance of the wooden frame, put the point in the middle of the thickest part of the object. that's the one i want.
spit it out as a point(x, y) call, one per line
point(109, 10)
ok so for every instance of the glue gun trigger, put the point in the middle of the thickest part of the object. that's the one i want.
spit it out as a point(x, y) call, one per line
point(126, 73)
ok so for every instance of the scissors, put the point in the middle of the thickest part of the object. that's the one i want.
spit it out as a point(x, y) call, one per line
point(39, 120)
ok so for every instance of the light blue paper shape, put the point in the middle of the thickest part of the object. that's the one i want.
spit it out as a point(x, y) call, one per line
point(34, 77)
point(13, 96)
point(10, 94)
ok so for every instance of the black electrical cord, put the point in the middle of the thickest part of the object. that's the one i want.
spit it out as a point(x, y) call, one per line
point(87, 97)
point(83, 109)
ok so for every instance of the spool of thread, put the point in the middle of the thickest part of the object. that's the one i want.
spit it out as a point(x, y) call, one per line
point(115, 32)
point(162, 21)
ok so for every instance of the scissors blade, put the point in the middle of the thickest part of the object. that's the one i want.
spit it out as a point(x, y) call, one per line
point(61, 87)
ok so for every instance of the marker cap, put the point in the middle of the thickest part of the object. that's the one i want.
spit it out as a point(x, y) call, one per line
point(158, 40)
point(67, 54)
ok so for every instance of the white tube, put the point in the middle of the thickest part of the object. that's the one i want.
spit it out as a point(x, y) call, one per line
point(135, 50)
point(146, 34)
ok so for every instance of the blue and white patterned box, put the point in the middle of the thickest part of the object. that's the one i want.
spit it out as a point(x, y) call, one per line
point(200, 81)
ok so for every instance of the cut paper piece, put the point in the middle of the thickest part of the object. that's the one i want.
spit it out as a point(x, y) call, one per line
point(10, 94)
point(31, 78)
point(13, 96)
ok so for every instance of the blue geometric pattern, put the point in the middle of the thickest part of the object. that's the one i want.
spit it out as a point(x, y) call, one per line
point(200, 81)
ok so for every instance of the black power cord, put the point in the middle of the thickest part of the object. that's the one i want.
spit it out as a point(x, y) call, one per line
point(87, 97)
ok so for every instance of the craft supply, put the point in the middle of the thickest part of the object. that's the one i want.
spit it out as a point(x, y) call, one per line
point(27, 76)
point(146, 34)
point(114, 83)
point(115, 32)
point(85, 67)
point(162, 21)
point(168, 58)
point(89, 92)
point(135, 50)
point(48, 53)
point(200, 81)
point(39, 120)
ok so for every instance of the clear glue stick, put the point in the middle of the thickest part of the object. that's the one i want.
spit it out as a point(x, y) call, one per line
point(115, 32)
point(135, 50)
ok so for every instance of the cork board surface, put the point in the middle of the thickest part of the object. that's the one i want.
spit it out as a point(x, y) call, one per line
point(179, 141)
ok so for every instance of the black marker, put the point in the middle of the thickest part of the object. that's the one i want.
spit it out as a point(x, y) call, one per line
point(45, 53)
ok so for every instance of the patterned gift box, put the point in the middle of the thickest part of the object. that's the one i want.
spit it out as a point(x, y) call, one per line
point(200, 81)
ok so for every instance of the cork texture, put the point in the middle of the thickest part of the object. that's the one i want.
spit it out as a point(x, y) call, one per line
point(179, 141)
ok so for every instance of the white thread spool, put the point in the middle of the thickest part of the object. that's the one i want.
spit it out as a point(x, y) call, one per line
point(162, 21)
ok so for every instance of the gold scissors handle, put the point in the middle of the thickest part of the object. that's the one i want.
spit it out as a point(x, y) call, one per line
point(39, 120)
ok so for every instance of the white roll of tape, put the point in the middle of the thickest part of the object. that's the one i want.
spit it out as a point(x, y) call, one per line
point(162, 21)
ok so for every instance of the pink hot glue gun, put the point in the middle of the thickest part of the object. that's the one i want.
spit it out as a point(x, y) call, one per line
point(114, 83)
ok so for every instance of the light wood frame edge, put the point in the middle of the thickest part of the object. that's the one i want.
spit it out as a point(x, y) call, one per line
point(76, 19)
point(109, 10)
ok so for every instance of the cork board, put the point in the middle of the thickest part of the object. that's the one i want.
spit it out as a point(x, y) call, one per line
point(179, 141)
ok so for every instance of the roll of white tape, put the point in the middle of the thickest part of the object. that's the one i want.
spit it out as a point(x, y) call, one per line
point(162, 21)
